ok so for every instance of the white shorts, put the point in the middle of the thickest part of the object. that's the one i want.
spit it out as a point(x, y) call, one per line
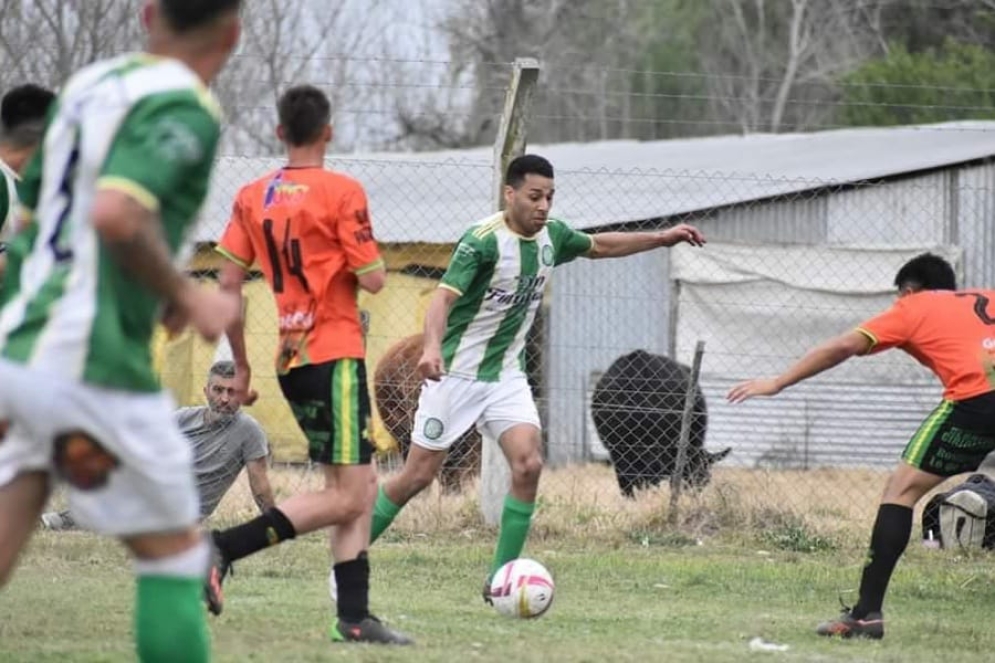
point(128, 467)
point(449, 407)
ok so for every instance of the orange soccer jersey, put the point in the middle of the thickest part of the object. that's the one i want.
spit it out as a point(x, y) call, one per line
point(951, 333)
point(309, 231)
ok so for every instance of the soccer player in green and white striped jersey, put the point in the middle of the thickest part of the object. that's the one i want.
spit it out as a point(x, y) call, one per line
point(111, 194)
point(474, 353)
point(22, 123)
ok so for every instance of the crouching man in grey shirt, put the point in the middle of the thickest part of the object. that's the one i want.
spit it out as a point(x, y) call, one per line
point(224, 440)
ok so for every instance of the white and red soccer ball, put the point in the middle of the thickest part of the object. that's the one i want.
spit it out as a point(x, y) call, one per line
point(522, 588)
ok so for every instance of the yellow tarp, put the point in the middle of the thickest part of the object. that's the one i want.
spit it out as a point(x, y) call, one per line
point(397, 311)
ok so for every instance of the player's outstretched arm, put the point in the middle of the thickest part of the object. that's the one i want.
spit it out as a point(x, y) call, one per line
point(820, 358)
point(618, 245)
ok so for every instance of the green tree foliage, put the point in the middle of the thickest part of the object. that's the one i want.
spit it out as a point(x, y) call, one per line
point(953, 82)
point(668, 88)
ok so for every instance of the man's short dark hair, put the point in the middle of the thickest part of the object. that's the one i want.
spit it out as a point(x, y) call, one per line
point(22, 114)
point(304, 112)
point(184, 15)
point(222, 369)
point(926, 271)
point(527, 164)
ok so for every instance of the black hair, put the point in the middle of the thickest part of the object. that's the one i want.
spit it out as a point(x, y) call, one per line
point(185, 15)
point(527, 164)
point(22, 114)
point(304, 112)
point(926, 272)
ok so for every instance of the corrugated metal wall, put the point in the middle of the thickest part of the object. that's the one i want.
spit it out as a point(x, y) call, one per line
point(974, 232)
point(599, 311)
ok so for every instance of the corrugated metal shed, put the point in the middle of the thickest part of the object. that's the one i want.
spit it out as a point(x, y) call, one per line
point(434, 196)
point(783, 189)
point(954, 206)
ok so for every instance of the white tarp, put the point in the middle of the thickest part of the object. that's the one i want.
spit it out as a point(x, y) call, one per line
point(758, 308)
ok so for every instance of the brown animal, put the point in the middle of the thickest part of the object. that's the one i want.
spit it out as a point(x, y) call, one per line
point(396, 386)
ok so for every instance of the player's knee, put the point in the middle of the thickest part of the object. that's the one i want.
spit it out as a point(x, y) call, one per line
point(526, 468)
point(352, 505)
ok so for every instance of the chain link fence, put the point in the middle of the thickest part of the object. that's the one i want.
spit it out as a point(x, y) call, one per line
point(805, 234)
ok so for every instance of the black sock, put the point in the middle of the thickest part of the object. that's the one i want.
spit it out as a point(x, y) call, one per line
point(892, 529)
point(353, 580)
point(242, 540)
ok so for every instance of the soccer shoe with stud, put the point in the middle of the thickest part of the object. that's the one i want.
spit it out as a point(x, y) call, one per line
point(847, 626)
point(370, 630)
point(61, 520)
point(219, 567)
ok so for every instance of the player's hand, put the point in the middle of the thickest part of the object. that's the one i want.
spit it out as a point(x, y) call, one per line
point(683, 233)
point(430, 365)
point(747, 390)
point(208, 310)
point(244, 393)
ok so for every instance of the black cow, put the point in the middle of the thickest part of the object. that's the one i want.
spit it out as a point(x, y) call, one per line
point(637, 408)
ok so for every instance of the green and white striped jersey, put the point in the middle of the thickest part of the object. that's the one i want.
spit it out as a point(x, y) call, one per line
point(500, 277)
point(139, 124)
point(8, 201)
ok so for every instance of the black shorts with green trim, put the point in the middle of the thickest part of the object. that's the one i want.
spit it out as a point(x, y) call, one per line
point(955, 437)
point(332, 406)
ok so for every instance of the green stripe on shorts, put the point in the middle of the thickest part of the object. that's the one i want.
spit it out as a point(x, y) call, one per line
point(916, 449)
point(345, 412)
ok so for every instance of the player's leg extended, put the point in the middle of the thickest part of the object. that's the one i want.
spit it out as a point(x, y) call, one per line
point(131, 477)
point(926, 462)
point(311, 393)
point(522, 446)
point(446, 409)
point(419, 470)
point(169, 619)
point(21, 503)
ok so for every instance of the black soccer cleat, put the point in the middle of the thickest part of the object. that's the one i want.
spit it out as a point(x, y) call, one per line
point(370, 630)
point(486, 593)
point(847, 626)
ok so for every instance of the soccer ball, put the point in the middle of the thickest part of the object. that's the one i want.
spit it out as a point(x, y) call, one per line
point(522, 588)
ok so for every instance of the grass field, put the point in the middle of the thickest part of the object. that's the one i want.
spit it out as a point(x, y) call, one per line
point(628, 589)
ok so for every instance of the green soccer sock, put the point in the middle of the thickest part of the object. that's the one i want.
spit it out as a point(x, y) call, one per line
point(384, 512)
point(169, 621)
point(516, 519)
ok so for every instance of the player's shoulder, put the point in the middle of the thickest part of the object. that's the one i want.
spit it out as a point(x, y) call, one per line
point(246, 422)
point(332, 183)
point(257, 184)
point(925, 299)
point(257, 194)
point(484, 230)
point(558, 228)
point(167, 84)
point(189, 413)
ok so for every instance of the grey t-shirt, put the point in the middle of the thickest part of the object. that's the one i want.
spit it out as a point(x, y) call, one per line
point(220, 451)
